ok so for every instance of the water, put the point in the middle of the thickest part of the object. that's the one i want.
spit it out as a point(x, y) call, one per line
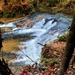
point(44, 29)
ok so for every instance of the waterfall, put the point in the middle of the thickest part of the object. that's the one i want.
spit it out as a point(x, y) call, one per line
point(45, 28)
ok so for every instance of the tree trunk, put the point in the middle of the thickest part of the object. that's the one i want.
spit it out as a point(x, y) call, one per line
point(0, 40)
point(69, 49)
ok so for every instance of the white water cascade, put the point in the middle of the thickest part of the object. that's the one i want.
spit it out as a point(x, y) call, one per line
point(45, 28)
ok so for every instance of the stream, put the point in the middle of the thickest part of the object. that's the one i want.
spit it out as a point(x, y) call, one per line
point(42, 28)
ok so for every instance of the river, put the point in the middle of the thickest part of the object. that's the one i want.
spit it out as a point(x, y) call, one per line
point(43, 28)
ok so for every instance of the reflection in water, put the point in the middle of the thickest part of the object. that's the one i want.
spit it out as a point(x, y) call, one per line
point(11, 45)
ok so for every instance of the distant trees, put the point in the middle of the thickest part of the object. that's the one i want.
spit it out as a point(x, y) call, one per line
point(13, 8)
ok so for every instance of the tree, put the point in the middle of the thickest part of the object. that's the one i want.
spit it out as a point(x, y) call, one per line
point(0, 39)
point(69, 49)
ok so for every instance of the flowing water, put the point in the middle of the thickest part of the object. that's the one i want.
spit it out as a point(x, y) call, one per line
point(42, 28)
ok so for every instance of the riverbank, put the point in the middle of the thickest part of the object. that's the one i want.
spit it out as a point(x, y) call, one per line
point(9, 15)
point(7, 20)
point(52, 55)
point(53, 52)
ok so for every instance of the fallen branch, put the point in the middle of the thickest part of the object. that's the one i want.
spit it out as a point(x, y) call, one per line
point(4, 69)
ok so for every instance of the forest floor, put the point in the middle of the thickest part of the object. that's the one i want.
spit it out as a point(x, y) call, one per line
point(7, 20)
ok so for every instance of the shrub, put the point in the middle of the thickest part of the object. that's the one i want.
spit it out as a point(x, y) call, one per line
point(52, 3)
point(6, 14)
point(62, 38)
point(1, 14)
point(12, 14)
